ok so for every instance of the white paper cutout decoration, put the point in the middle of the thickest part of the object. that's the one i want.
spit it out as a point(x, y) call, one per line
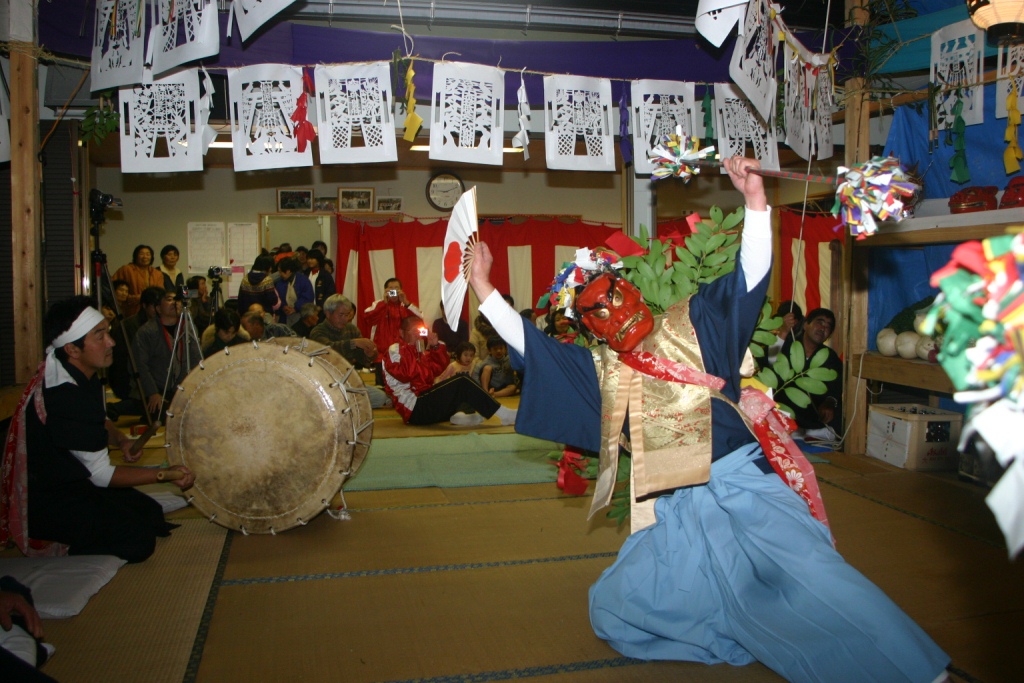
point(467, 113)
point(206, 132)
point(157, 125)
point(658, 109)
point(460, 234)
point(354, 109)
point(1010, 71)
point(738, 125)
point(251, 14)
point(183, 31)
point(808, 97)
point(118, 48)
point(715, 18)
point(956, 69)
point(752, 67)
point(577, 128)
point(262, 99)
point(522, 138)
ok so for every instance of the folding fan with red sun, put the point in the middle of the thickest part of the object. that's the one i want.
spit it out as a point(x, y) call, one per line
point(458, 254)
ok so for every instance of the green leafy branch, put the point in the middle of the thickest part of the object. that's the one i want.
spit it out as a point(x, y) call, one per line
point(100, 120)
point(796, 378)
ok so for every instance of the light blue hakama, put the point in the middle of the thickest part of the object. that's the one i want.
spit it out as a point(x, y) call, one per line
point(736, 571)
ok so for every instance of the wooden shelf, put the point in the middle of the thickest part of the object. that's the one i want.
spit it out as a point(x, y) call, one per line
point(909, 373)
point(958, 227)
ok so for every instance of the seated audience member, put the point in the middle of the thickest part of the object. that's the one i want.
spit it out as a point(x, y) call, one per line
point(341, 334)
point(561, 328)
point(120, 373)
point(139, 274)
point(22, 650)
point(496, 375)
point(386, 314)
point(449, 337)
point(529, 314)
point(121, 289)
point(199, 304)
point(226, 324)
point(309, 316)
point(465, 362)
point(478, 336)
point(409, 375)
point(294, 290)
point(329, 266)
point(257, 286)
point(173, 278)
point(792, 326)
point(260, 330)
point(822, 419)
point(163, 357)
point(322, 281)
point(63, 487)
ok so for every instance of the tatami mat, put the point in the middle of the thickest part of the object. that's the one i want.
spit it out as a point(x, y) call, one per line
point(143, 624)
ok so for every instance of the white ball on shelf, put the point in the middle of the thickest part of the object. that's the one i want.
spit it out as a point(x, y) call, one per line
point(906, 344)
point(925, 345)
point(886, 342)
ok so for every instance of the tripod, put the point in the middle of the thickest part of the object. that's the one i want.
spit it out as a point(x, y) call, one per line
point(186, 334)
point(98, 203)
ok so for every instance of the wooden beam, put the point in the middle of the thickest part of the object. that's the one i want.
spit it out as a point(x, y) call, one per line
point(25, 219)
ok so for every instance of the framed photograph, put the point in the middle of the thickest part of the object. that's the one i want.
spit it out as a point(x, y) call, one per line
point(295, 200)
point(355, 199)
point(389, 204)
point(326, 204)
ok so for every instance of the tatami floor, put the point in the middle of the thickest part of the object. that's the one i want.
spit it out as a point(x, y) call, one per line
point(489, 583)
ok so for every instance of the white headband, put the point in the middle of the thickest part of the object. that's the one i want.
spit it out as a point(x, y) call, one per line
point(87, 319)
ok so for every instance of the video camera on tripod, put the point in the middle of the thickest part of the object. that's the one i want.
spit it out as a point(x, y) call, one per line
point(215, 273)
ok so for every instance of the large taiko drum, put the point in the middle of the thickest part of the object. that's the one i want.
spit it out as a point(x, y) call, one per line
point(271, 430)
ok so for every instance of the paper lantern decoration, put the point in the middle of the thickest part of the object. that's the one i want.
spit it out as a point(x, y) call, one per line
point(1000, 19)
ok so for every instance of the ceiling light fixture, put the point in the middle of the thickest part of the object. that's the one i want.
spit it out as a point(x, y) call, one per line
point(1002, 20)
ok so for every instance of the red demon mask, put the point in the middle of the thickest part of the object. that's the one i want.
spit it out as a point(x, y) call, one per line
point(614, 311)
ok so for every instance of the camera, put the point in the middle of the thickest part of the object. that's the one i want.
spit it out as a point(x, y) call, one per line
point(217, 271)
point(98, 203)
point(187, 293)
point(392, 292)
point(423, 332)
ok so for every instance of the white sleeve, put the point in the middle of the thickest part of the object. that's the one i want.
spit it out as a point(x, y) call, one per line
point(756, 248)
point(98, 464)
point(505, 321)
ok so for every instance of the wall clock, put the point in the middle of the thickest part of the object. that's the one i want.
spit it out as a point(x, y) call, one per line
point(444, 190)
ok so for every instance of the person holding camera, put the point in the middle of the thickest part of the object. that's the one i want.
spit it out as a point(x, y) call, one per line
point(425, 390)
point(386, 315)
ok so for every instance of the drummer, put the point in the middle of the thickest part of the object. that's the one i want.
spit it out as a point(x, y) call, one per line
point(65, 495)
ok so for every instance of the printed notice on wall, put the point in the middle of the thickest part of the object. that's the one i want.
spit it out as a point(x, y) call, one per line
point(205, 247)
point(243, 247)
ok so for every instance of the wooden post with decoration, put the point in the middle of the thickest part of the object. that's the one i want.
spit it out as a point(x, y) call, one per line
point(855, 266)
point(25, 178)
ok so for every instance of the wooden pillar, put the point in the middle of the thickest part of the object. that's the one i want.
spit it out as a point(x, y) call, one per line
point(25, 170)
point(855, 300)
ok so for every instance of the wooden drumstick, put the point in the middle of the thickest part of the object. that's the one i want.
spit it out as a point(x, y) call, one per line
point(169, 475)
point(145, 436)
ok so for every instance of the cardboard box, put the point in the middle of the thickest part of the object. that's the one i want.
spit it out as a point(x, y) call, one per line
point(915, 437)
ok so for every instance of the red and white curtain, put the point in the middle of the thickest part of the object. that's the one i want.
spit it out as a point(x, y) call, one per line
point(805, 241)
point(526, 258)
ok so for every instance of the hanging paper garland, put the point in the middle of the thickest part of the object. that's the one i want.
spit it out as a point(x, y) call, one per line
point(1013, 154)
point(413, 121)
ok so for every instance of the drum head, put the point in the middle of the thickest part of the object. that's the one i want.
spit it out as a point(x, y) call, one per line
point(271, 432)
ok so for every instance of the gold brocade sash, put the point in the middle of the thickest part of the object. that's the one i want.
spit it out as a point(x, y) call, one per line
point(670, 422)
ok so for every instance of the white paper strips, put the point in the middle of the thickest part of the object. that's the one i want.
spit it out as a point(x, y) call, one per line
point(808, 113)
point(183, 31)
point(354, 109)
point(462, 227)
point(715, 18)
point(157, 123)
point(752, 67)
point(1010, 68)
point(206, 132)
point(522, 138)
point(117, 47)
point(956, 69)
point(262, 101)
point(467, 113)
point(659, 108)
point(739, 125)
point(251, 14)
point(577, 130)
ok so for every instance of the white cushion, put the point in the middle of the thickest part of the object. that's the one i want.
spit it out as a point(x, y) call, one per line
point(61, 586)
point(168, 501)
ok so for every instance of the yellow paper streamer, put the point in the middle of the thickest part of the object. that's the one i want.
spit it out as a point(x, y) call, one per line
point(1013, 154)
point(413, 121)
